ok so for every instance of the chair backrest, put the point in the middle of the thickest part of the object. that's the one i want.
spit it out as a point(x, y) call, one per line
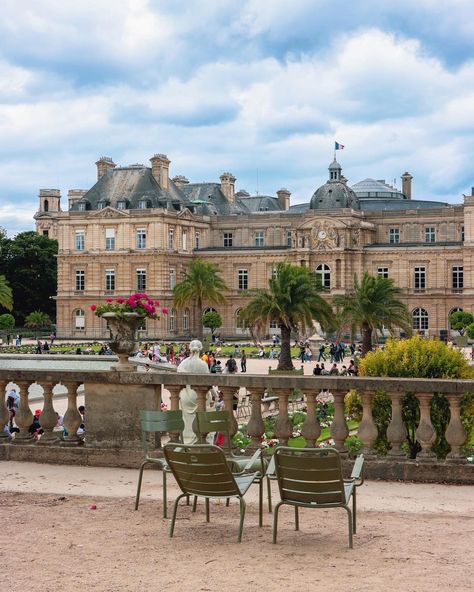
point(310, 475)
point(215, 421)
point(155, 422)
point(201, 469)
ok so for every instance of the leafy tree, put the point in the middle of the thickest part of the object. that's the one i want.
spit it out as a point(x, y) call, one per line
point(6, 299)
point(418, 358)
point(7, 322)
point(372, 305)
point(470, 331)
point(212, 320)
point(201, 283)
point(293, 301)
point(460, 320)
point(29, 264)
point(37, 320)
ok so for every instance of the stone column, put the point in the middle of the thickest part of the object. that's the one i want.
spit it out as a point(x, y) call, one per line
point(339, 429)
point(23, 416)
point(4, 414)
point(425, 432)
point(367, 431)
point(455, 433)
point(396, 431)
point(311, 428)
point(228, 392)
point(283, 425)
point(72, 418)
point(201, 392)
point(48, 418)
point(256, 427)
point(174, 406)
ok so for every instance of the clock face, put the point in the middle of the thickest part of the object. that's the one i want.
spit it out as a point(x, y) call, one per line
point(322, 234)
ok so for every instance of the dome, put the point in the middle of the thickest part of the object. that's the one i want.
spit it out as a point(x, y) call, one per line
point(335, 193)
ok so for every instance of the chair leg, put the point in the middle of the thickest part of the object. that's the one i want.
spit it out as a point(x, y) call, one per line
point(175, 509)
point(242, 516)
point(195, 503)
point(275, 522)
point(140, 477)
point(269, 493)
point(165, 496)
point(297, 518)
point(260, 503)
point(187, 500)
point(354, 525)
point(208, 518)
point(227, 502)
point(349, 516)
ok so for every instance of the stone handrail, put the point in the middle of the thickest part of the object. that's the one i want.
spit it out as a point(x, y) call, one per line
point(113, 399)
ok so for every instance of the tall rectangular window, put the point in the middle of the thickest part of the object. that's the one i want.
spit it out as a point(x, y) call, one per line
point(171, 239)
point(394, 236)
point(80, 280)
point(110, 239)
point(80, 240)
point(462, 233)
point(184, 240)
point(197, 240)
point(259, 238)
point(172, 278)
point(110, 280)
point(141, 280)
point(420, 279)
point(141, 238)
point(458, 278)
point(430, 234)
point(289, 239)
point(228, 239)
point(243, 279)
point(382, 272)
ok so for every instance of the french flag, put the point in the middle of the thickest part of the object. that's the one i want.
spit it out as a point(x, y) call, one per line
point(338, 146)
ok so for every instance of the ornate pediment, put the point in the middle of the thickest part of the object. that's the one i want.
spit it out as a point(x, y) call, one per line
point(185, 214)
point(325, 237)
point(109, 212)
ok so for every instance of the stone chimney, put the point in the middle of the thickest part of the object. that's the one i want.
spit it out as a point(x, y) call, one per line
point(228, 186)
point(180, 180)
point(104, 164)
point(406, 185)
point(284, 198)
point(160, 168)
point(74, 195)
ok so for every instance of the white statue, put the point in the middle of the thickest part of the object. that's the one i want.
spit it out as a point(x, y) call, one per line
point(187, 396)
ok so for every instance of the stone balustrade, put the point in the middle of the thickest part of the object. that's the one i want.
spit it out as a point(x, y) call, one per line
point(113, 400)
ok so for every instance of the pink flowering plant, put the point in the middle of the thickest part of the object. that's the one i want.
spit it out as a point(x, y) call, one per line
point(139, 303)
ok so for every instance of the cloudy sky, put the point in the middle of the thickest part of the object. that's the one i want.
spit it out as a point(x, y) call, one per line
point(259, 88)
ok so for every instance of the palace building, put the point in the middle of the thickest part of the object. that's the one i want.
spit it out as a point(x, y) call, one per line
point(137, 229)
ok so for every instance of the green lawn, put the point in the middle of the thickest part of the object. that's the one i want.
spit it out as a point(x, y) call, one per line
point(300, 442)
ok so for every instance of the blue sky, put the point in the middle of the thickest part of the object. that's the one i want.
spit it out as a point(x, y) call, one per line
point(261, 89)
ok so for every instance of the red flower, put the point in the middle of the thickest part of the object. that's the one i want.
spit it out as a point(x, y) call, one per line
point(164, 311)
point(109, 300)
point(157, 303)
point(120, 300)
point(93, 307)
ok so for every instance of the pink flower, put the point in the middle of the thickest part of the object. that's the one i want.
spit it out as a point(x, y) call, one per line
point(164, 311)
point(93, 307)
point(120, 300)
point(109, 300)
point(157, 303)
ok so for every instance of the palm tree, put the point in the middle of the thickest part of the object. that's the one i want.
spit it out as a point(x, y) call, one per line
point(372, 305)
point(201, 282)
point(6, 298)
point(37, 320)
point(293, 301)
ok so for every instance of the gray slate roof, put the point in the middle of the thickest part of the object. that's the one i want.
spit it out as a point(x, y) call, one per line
point(372, 188)
point(211, 200)
point(334, 195)
point(261, 203)
point(370, 204)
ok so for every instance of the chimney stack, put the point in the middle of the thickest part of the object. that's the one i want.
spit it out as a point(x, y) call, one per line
point(160, 168)
point(104, 164)
point(406, 185)
point(284, 198)
point(180, 180)
point(228, 186)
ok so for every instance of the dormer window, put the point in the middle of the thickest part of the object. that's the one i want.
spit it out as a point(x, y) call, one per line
point(82, 206)
point(101, 204)
point(121, 205)
point(143, 204)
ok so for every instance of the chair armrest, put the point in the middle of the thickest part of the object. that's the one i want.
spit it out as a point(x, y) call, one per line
point(257, 454)
point(358, 470)
point(271, 470)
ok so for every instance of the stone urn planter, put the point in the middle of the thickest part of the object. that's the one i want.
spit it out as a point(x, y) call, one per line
point(123, 329)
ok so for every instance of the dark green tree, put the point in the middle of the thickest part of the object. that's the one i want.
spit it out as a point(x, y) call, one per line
point(212, 320)
point(460, 320)
point(7, 322)
point(6, 299)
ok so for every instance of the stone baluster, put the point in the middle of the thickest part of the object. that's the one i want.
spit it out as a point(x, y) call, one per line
point(425, 432)
point(72, 418)
point(174, 391)
point(23, 416)
point(367, 431)
point(455, 433)
point(283, 425)
point(201, 392)
point(311, 428)
point(4, 414)
point(256, 427)
point(229, 392)
point(48, 418)
point(339, 430)
point(396, 431)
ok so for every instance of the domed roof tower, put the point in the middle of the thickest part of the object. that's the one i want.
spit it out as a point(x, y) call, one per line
point(335, 193)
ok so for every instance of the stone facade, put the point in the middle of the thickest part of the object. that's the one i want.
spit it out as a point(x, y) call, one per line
point(137, 229)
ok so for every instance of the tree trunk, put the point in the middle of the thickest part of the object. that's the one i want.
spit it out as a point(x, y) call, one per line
point(285, 363)
point(366, 331)
point(200, 332)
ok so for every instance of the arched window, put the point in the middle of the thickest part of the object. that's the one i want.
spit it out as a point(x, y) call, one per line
point(420, 319)
point(79, 320)
point(186, 319)
point(172, 320)
point(323, 273)
point(46, 205)
point(209, 309)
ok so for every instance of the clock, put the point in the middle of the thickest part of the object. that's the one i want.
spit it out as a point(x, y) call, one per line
point(322, 234)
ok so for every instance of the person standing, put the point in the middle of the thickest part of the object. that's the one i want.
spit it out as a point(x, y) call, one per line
point(231, 365)
point(243, 362)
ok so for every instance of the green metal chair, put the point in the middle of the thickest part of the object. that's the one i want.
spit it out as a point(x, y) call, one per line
point(219, 421)
point(312, 478)
point(203, 470)
point(153, 424)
